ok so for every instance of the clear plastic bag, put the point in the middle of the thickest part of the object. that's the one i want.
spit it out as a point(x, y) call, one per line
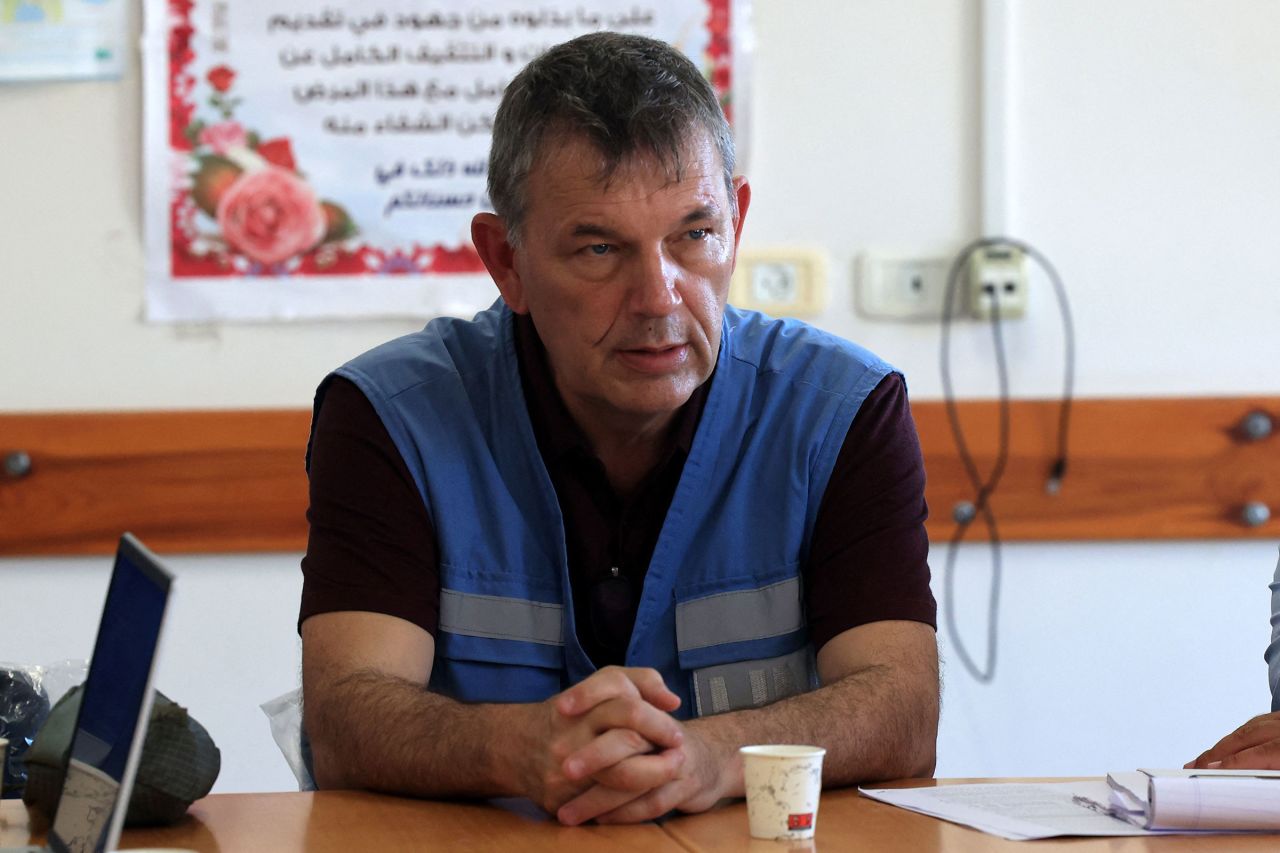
point(285, 714)
point(26, 695)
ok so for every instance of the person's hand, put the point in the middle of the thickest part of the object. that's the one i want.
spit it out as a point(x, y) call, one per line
point(616, 714)
point(691, 777)
point(1255, 745)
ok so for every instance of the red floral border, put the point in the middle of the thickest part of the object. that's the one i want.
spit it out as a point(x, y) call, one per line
point(361, 260)
point(720, 52)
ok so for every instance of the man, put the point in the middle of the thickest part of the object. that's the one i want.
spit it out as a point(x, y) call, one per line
point(609, 523)
point(1256, 744)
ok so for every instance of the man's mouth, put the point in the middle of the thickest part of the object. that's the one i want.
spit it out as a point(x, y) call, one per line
point(654, 359)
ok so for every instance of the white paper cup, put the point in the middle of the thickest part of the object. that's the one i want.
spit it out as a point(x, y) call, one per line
point(783, 784)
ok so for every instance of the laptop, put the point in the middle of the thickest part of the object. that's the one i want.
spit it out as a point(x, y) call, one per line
point(115, 706)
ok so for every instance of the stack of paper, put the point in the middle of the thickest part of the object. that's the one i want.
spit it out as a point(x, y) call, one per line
point(1145, 802)
point(1197, 799)
point(1020, 811)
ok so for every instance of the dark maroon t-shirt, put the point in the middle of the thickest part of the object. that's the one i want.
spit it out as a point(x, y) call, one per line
point(372, 546)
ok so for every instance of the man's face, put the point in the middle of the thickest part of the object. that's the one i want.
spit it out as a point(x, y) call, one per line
point(626, 282)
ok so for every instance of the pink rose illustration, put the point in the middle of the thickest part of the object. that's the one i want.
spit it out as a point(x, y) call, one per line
point(270, 215)
point(224, 135)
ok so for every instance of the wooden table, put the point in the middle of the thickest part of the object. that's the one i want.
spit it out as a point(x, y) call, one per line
point(851, 823)
point(347, 821)
point(351, 821)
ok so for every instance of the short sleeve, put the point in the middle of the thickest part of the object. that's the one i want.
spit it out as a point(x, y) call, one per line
point(868, 559)
point(371, 544)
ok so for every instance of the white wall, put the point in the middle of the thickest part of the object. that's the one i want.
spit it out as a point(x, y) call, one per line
point(1110, 656)
point(1143, 139)
point(229, 642)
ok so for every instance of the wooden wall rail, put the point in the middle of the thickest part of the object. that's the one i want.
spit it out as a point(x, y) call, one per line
point(185, 482)
point(1137, 469)
point(195, 482)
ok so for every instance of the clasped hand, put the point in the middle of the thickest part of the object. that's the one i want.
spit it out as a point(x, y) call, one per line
point(612, 752)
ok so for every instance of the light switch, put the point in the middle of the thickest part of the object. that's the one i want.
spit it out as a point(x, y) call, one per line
point(901, 287)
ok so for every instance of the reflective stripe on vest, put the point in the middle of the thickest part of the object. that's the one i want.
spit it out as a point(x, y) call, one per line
point(752, 683)
point(500, 618)
point(732, 617)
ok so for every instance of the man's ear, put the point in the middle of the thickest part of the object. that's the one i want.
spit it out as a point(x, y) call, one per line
point(742, 190)
point(489, 234)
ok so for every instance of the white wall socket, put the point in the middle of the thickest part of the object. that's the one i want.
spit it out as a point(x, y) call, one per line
point(997, 279)
point(782, 281)
point(901, 287)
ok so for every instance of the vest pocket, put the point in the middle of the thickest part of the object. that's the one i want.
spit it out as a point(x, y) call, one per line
point(478, 669)
point(752, 683)
point(745, 648)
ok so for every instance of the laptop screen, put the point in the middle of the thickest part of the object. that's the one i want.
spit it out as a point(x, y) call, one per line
point(114, 706)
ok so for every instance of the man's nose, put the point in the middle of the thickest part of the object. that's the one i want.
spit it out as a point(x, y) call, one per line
point(655, 285)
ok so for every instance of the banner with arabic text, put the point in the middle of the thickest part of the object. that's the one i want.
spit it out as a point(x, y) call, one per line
point(310, 160)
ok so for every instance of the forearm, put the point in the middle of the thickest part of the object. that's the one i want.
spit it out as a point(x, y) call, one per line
point(875, 724)
point(378, 732)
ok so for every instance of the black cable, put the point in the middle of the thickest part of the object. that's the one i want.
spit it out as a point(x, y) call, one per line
point(1059, 469)
point(983, 489)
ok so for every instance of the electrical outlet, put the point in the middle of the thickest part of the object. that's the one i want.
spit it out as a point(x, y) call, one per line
point(784, 282)
point(901, 287)
point(997, 278)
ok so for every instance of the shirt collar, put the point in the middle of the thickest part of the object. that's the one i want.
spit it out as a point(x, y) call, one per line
point(557, 432)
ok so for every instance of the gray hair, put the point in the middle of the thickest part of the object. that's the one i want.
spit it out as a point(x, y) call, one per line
point(627, 94)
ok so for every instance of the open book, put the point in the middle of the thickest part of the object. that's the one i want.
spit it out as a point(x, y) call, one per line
point(1197, 799)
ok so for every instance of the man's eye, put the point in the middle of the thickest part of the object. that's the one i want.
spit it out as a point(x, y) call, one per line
point(599, 248)
point(697, 233)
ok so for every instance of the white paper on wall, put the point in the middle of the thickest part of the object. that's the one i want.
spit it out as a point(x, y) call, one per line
point(308, 161)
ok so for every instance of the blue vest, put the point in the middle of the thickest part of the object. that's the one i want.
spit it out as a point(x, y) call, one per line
point(721, 613)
